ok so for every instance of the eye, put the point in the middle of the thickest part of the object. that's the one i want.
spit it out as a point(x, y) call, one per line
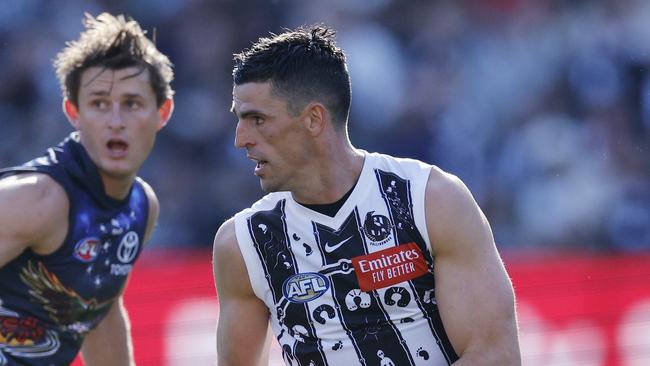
point(133, 104)
point(99, 104)
point(258, 120)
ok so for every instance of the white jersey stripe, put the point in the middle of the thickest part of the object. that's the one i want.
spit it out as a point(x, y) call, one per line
point(309, 269)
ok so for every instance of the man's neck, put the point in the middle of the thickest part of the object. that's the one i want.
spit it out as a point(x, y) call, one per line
point(117, 188)
point(332, 178)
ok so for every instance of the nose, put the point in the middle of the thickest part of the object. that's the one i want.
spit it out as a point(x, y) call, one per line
point(243, 137)
point(116, 122)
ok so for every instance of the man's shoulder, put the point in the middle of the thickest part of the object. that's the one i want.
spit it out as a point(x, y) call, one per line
point(396, 163)
point(225, 245)
point(33, 186)
point(451, 210)
point(33, 207)
point(147, 189)
point(443, 183)
point(266, 203)
point(402, 167)
point(225, 236)
point(387, 160)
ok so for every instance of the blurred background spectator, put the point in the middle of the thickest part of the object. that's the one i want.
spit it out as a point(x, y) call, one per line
point(542, 107)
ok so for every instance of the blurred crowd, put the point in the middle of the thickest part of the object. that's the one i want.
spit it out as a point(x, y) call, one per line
point(541, 107)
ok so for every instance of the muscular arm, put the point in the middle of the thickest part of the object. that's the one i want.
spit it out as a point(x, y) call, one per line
point(474, 294)
point(243, 318)
point(110, 342)
point(33, 214)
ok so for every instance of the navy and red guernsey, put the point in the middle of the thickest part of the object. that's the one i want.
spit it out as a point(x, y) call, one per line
point(48, 303)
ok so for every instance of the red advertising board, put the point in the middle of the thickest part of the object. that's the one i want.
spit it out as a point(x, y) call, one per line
point(573, 309)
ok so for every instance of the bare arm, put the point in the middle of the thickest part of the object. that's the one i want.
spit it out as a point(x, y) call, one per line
point(243, 319)
point(474, 294)
point(33, 214)
point(110, 342)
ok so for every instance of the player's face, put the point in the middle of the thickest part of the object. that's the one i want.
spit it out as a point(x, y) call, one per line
point(273, 137)
point(117, 118)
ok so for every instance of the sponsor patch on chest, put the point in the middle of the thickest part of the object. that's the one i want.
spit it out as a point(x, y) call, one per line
point(389, 266)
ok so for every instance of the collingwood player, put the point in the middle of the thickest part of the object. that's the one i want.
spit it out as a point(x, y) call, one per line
point(354, 258)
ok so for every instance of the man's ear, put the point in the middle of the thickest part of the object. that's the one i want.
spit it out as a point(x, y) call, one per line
point(71, 112)
point(316, 118)
point(166, 110)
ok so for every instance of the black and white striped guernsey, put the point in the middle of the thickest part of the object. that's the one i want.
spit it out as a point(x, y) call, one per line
point(356, 288)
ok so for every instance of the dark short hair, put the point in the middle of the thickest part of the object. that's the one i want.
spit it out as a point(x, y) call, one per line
point(112, 42)
point(302, 65)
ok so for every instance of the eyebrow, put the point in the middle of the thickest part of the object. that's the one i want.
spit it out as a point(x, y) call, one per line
point(103, 93)
point(100, 92)
point(246, 114)
point(133, 95)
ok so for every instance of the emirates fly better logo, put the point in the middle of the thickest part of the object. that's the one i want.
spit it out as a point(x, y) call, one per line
point(389, 266)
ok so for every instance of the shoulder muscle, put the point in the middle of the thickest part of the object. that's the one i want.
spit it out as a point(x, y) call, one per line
point(454, 219)
point(33, 213)
point(229, 268)
point(154, 209)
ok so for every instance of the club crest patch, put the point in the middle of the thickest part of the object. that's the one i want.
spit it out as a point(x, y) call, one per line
point(377, 228)
point(87, 249)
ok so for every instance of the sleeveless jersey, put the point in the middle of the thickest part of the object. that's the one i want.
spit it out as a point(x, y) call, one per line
point(356, 288)
point(48, 303)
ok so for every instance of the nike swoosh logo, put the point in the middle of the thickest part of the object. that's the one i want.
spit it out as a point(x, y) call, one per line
point(330, 248)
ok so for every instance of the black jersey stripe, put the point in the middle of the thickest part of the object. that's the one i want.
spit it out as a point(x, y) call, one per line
point(361, 315)
point(268, 230)
point(324, 236)
point(396, 192)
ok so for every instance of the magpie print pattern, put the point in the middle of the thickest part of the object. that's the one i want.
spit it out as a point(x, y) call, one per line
point(303, 265)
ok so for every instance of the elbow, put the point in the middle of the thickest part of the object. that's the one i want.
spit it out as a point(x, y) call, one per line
point(508, 354)
point(510, 357)
point(501, 351)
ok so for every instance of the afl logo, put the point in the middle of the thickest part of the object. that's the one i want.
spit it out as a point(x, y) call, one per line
point(128, 248)
point(376, 227)
point(304, 287)
point(87, 249)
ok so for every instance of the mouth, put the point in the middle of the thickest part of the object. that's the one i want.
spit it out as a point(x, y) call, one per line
point(117, 148)
point(260, 164)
